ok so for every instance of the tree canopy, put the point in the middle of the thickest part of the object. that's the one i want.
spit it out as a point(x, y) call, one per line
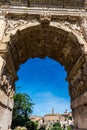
point(56, 126)
point(22, 109)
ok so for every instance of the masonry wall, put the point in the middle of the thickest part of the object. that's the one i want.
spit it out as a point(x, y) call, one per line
point(6, 106)
point(47, 3)
point(58, 3)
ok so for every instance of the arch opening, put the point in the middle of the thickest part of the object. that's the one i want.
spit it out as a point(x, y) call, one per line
point(44, 80)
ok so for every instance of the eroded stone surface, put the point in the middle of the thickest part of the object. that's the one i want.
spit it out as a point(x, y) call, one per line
point(2, 27)
point(48, 3)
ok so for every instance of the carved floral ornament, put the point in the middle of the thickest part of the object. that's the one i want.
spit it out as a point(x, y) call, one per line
point(45, 18)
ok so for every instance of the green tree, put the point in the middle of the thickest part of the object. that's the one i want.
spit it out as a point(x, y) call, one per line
point(69, 128)
point(56, 126)
point(70, 118)
point(22, 109)
point(42, 128)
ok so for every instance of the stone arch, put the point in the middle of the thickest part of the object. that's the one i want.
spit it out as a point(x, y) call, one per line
point(57, 41)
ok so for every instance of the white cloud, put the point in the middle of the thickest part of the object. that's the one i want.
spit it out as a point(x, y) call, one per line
point(44, 102)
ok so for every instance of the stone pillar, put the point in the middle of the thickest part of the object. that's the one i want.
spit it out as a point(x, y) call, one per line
point(2, 26)
point(6, 97)
point(78, 92)
point(6, 107)
point(79, 107)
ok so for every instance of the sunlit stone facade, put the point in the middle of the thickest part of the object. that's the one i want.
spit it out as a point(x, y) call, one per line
point(60, 34)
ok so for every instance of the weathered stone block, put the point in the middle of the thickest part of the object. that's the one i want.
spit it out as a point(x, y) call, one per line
point(11, 103)
point(5, 118)
point(4, 98)
point(2, 27)
point(81, 100)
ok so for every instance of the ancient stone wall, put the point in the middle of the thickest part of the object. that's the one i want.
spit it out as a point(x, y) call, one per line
point(61, 36)
point(58, 3)
point(6, 97)
point(6, 106)
point(47, 3)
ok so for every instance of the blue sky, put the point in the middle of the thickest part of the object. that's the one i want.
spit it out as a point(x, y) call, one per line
point(44, 81)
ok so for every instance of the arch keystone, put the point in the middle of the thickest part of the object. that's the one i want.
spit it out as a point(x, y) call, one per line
point(45, 19)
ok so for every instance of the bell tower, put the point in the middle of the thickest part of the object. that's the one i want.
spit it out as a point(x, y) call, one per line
point(52, 110)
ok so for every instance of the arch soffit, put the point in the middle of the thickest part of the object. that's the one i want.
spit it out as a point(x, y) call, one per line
point(55, 26)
